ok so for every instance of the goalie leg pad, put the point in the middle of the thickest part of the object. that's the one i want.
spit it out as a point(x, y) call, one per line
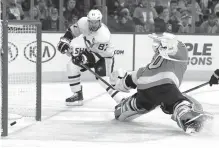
point(127, 110)
point(189, 118)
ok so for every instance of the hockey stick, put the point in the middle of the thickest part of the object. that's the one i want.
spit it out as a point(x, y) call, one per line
point(197, 87)
point(187, 91)
point(94, 73)
point(99, 77)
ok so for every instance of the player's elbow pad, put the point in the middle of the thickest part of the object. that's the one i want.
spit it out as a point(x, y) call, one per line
point(129, 82)
point(68, 34)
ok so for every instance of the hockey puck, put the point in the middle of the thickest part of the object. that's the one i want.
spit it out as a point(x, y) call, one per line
point(13, 123)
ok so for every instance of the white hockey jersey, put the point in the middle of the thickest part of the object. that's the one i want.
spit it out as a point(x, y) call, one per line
point(98, 42)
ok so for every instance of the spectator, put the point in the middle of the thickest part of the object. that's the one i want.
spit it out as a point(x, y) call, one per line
point(152, 5)
point(117, 7)
point(185, 25)
point(198, 13)
point(25, 4)
point(71, 14)
point(126, 23)
point(216, 11)
point(122, 22)
point(174, 13)
point(173, 25)
point(113, 22)
point(44, 14)
point(143, 17)
point(188, 13)
point(213, 4)
point(160, 23)
point(163, 3)
point(54, 20)
point(14, 10)
point(181, 5)
point(131, 5)
point(210, 26)
point(33, 12)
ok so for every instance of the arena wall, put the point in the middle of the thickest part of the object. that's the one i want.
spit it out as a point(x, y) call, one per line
point(131, 52)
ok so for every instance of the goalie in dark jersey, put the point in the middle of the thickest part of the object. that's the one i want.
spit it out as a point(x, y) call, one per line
point(158, 85)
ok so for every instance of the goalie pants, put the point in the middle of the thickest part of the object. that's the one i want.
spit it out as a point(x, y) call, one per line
point(102, 66)
point(166, 96)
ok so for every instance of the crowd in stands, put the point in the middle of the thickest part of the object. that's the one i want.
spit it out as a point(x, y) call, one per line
point(141, 16)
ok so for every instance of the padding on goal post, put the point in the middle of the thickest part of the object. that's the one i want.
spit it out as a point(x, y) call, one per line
point(20, 72)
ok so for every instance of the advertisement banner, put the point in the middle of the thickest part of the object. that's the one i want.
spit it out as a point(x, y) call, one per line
point(123, 44)
point(203, 51)
point(22, 53)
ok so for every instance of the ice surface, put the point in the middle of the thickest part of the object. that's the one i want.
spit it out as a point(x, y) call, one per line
point(93, 124)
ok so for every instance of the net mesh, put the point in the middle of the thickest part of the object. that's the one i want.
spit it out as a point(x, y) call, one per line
point(22, 50)
point(22, 71)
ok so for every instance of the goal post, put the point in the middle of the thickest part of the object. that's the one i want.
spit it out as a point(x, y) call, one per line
point(20, 71)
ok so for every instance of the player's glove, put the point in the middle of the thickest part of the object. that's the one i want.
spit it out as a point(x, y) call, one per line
point(214, 78)
point(80, 59)
point(64, 45)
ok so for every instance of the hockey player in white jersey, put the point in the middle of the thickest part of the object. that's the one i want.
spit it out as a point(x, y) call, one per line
point(90, 33)
point(157, 85)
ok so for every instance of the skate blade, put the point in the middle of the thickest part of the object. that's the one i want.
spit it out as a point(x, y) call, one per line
point(206, 120)
point(76, 103)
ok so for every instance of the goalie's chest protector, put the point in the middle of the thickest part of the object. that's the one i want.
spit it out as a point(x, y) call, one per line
point(161, 71)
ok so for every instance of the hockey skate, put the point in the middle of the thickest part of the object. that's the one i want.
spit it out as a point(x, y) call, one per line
point(197, 123)
point(190, 118)
point(75, 100)
point(194, 122)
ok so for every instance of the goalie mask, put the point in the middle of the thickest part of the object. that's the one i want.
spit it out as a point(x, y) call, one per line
point(165, 43)
point(94, 20)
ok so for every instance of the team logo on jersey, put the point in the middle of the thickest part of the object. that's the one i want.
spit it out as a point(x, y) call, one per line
point(12, 52)
point(48, 51)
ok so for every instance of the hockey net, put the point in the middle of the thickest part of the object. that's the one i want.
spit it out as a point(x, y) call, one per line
point(21, 74)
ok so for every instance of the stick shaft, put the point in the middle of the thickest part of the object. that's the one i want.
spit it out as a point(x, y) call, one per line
point(197, 87)
point(99, 77)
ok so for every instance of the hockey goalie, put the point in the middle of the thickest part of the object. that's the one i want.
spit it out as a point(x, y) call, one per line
point(90, 34)
point(158, 85)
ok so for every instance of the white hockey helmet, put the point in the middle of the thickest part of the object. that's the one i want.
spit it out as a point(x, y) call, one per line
point(94, 19)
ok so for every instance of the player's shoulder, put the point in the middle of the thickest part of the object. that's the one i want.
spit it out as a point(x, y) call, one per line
point(83, 23)
point(103, 34)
